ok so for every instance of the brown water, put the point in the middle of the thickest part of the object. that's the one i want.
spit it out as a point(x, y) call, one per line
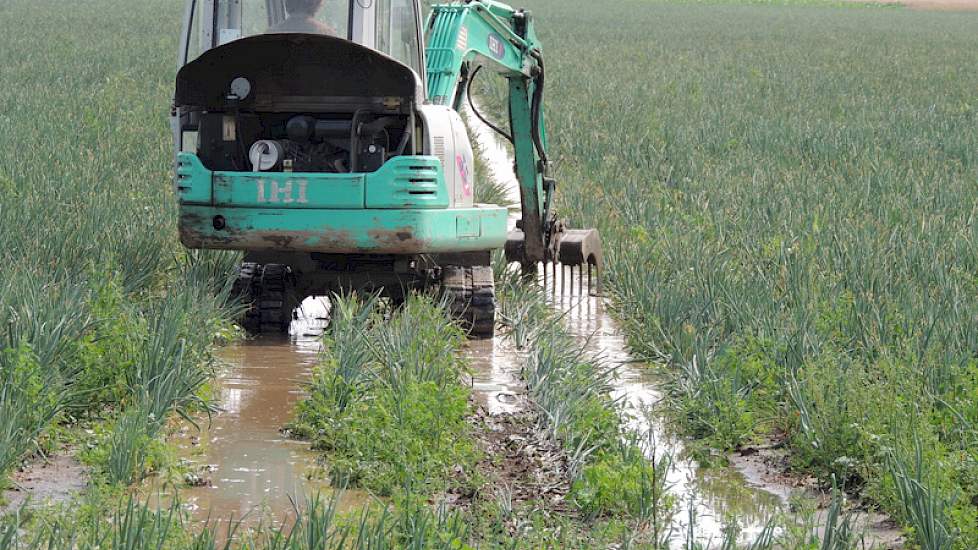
point(249, 467)
point(495, 375)
point(252, 470)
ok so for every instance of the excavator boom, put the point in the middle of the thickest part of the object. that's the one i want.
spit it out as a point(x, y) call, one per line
point(464, 38)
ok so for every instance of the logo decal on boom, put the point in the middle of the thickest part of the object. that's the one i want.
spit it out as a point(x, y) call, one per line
point(496, 46)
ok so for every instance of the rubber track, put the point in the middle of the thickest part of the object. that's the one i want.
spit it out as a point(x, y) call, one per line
point(471, 296)
point(267, 290)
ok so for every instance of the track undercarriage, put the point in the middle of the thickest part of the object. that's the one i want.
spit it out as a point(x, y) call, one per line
point(272, 286)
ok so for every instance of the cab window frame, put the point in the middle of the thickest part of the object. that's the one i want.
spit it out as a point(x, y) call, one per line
point(199, 39)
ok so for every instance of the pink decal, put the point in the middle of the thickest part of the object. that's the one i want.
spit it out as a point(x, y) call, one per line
point(463, 171)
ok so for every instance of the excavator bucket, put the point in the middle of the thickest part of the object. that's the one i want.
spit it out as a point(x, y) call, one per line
point(572, 250)
point(579, 248)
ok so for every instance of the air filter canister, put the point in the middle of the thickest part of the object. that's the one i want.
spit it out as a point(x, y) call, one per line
point(265, 155)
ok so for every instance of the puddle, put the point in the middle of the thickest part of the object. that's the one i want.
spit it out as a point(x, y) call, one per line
point(495, 371)
point(247, 466)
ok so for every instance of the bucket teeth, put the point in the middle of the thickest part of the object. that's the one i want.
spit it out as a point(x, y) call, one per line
point(574, 248)
point(572, 279)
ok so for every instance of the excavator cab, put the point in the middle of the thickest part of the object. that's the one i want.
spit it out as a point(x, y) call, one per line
point(392, 27)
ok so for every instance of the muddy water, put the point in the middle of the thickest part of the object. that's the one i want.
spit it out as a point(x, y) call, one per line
point(496, 381)
point(249, 468)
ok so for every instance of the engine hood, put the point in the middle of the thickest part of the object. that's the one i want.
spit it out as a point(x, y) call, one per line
point(296, 72)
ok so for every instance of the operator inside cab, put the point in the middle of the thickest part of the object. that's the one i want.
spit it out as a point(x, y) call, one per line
point(302, 19)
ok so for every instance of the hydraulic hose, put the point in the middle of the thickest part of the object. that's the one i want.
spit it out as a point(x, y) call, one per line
point(468, 93)
point(536, 107)
point(408, 132)
point(355, 140)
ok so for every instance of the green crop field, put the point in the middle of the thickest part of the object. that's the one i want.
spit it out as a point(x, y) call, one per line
point(788, 200)
point(103, 312)
point(787, 195)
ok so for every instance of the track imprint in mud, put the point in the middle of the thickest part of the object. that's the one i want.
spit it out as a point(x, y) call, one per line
point(520, 464)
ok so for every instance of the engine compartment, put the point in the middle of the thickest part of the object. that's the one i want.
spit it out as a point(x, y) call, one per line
point(301, 142)
point(304, 103)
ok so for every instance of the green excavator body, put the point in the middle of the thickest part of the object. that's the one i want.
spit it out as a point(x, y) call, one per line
point(373, 213)
point(329, 148)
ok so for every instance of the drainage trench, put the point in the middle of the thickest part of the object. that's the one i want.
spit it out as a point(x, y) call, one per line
point(245, 466)
point(745, 491)
point(714, 494)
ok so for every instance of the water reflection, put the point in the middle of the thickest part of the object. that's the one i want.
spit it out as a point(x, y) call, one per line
point(248, 466)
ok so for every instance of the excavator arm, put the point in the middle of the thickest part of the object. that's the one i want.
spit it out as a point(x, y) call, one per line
point(465, 37)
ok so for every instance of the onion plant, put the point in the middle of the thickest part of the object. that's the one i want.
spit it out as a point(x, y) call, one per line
point(788, 221)
point(387, 403)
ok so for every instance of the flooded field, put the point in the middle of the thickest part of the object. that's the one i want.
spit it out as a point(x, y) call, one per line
point(246, 467)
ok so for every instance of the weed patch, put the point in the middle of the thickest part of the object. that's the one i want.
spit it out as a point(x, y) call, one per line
point(387, 405)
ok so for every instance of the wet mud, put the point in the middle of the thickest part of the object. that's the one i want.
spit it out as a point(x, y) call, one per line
point(522, 469)
point(53, 480)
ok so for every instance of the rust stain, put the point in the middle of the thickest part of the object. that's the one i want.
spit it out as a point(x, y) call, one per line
point(195, 232)
point(397, 241)
point(280, 241)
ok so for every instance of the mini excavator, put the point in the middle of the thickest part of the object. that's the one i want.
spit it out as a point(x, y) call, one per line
point(323, 140)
